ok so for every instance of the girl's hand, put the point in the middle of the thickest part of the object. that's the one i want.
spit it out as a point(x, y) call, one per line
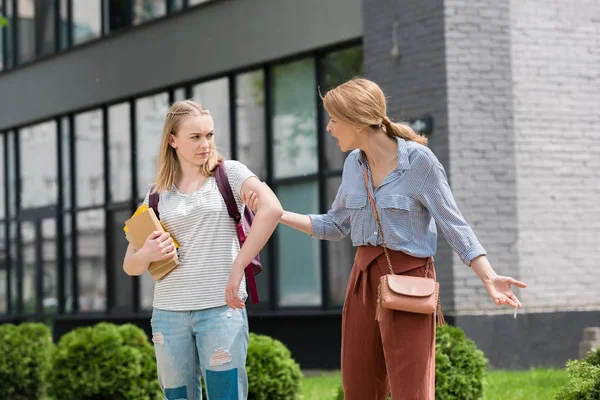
point(232, 296)
point(499, 290)
point(158, 246)
point(251, 200)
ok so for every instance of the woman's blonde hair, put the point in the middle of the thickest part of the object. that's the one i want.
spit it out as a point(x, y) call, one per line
point(167, 159)
point(361, 102)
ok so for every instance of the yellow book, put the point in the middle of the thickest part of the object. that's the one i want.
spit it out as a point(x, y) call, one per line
point(140, 210)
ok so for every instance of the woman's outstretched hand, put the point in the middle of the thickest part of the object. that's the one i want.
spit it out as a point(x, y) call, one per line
point(499, 290)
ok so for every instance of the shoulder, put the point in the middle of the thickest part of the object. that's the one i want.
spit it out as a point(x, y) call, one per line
point(234, 166)
point(420, 155)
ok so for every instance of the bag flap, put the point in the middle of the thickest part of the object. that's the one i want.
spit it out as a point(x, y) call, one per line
point(411, 285)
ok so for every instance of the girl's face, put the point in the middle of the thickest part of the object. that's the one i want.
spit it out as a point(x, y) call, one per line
point(346, 134)
point(194, 141)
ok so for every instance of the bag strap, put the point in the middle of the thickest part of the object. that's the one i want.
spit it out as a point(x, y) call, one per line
point(232, 210)
point(153, 200)
point(374, 208)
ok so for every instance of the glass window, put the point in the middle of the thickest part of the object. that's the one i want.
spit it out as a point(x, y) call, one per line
point(68, 261)
point(28, 265)
point(179, 94)
point(250, 117)
point(91, 250)
point(9, 31)
point(295, 119)
point(86, 20)
point(2, 180)
point(64, 25)
point(194, 2)
point(38, 166)
point(298, 255)
point(123, 289)
point(175, 5)
point(49, 265)
point(26, 30)
point(14, 262)
point(214, 96)
point(119, 143)
point(65, 143)
point(89, 158)
point(119, 14)
point(150, 119)
point(2, 30)
point(12, 175)
point(36, 28)
point(146, 10)
point(146, 291)
point(340, 255)
point(338, 67)
point(3, 269)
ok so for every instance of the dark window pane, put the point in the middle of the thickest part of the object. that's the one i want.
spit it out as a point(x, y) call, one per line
point(298, 256)
point(36, 28)
point(146, 10)
point(89, 158)
point(64, 25)
point(12, 174)
point(250, 114)
point(86, 20)
point(119, 142)
point(175, 5)
point(340, 255)
point(3, 268)
point(66, 161)
point(150, 119)
point(2, 180)
point(49, 266)
point(91, 260)
point(338, 67)
point(26, 29)
point(28, 265)
point(119, 14)
point(194, 2)
point(146, 291)
point(39, 179)
point(214, 96)
point(295, 119)
point(14, 260)
point(2, 30)
point(68, 261)
point(9, 31)
point(123, 283)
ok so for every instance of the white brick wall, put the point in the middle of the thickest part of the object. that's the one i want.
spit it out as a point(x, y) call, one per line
point(481, 139)
point(556, 77)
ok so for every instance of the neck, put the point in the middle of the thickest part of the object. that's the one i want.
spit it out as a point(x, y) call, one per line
point(187, 172)
point(380, 148)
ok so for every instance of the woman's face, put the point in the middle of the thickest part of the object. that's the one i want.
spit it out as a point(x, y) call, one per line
point(346, 134)
point(194, 141)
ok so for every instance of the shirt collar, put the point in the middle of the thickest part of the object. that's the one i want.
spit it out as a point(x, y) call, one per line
point(403, 162)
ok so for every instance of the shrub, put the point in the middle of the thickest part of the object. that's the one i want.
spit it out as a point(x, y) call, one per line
point(272, 373)
point(25, 352)
point(105, 361)
point(460, 367)
point(584, 378)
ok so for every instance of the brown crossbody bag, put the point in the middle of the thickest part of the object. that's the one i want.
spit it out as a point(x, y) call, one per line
point(405, 293)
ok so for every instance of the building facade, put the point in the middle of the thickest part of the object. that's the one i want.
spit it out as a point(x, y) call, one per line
point(506, 91)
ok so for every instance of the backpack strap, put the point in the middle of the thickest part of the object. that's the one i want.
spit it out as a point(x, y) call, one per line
point(232, 210)
point(153, 200)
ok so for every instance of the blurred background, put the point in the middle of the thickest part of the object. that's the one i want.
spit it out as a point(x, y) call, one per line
point(507, 92)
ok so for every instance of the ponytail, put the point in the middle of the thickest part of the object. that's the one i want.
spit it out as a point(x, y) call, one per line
point(402, 131)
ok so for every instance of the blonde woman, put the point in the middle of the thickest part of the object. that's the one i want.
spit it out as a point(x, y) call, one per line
point(199, 322)
point(395, 351)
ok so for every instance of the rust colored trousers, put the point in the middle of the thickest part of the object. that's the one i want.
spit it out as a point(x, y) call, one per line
point(395, 354)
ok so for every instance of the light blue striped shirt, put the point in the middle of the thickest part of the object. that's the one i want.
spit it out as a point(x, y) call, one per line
point(411, 201)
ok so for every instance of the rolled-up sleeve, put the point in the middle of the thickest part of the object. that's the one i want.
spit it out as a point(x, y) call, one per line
point(437, 197)
point(335, 225)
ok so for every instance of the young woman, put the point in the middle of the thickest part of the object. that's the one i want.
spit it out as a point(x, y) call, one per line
point(199, 323)
point(408, 184)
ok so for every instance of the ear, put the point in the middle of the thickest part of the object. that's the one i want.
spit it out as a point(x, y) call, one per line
point(172, 141)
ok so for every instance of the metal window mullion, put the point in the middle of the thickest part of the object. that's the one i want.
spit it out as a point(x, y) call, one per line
point(108, 243)
point(134, 189)
point(19, 254)
point(60, 233)
point(74, 233)
point(232, 116)
point(273, 275)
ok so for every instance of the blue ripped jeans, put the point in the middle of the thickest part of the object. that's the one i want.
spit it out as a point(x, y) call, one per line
point(212, 343)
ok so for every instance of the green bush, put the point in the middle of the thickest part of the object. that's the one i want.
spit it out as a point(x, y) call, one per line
point(25, 352)
point(584, 378)
point(105, 361)
point(272, 373)
point(460, 367)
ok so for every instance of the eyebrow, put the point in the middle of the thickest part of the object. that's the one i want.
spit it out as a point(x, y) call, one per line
point(200, 133)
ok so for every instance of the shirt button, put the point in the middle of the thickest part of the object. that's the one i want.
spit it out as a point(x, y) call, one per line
point(375, 233)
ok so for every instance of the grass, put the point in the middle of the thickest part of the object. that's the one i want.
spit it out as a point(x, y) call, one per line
point(535, 384)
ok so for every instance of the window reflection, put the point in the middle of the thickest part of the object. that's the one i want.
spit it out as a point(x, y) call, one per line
point(250, 118)
point(91, 271)
point(119, 142)
point(89, 158)
point(86, 20)
point(146, 10)
point(214, 96)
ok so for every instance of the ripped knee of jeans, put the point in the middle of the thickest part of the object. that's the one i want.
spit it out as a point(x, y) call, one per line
point(158, 338)
point(178, 393)
point(220, 357)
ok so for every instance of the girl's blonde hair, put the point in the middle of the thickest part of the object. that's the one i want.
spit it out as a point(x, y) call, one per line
point(167, 159)
point(361, 102)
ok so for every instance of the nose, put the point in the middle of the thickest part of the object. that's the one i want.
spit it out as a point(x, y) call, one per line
point(204, 142)
point(328, 128)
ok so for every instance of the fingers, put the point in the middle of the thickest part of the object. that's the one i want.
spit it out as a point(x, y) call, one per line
point(503, 301)
point(233, 299)
point(515, 300)
point(170, 254)
point(154, 235)
point(517, 283)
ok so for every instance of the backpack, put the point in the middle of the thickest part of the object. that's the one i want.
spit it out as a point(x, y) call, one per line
point(242, 224)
